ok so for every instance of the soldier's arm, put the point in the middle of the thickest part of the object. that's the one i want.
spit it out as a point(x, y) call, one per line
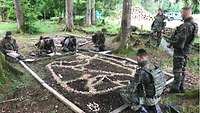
point(16, 45)
point(134, 83)
point(178, 41)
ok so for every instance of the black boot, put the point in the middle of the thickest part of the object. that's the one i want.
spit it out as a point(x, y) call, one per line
point(175, 87)
point(182, 90)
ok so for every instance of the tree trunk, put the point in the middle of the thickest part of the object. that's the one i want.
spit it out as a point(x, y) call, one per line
point(19, 15)
point(88, 13)
point(69, 15)
point(125, 22)
point(93, 12)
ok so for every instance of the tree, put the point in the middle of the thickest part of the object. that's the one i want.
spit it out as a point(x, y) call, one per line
point(19, 15)
point(3, 10)
point(125, 22)
point(90, 17)
point(88, 13)
point(93, 16)
point(69, 14)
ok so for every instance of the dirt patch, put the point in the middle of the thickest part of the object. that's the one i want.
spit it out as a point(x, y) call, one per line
point(33, 100)
point(87, 80)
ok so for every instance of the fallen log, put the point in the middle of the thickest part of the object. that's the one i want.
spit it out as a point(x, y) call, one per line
point(53, 91)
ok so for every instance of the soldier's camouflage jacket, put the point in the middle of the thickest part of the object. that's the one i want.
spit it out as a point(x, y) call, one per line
point(8, 44)
point(158, 24)
point(184, 35)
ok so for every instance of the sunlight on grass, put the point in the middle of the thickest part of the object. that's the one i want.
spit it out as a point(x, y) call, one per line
point(47, 26)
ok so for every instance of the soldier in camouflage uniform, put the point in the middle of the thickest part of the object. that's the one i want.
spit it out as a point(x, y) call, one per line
point(69, 44)
point(181, 41)
point(8, 44)
point(158, 26)
point(46, 45)
point(99, 40)
point(143, 92)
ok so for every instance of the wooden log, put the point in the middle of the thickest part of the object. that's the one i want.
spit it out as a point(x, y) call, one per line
point(53, 91)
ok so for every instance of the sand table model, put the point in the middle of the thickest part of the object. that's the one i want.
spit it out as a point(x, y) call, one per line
point(91, 74)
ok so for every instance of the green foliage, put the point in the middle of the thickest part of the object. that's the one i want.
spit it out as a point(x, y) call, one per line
point(150, 5)
point(188, 102)
point(6, 70)
point(80, 7)
point(173, 7)
point(194, 63)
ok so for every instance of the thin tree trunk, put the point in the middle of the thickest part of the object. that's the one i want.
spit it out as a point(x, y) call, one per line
point(69, 15)
point(125, 22)
point(19, 15)
point(93, 12)
point(88, 13)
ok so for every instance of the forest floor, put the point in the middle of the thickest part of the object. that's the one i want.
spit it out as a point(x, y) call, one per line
point(30, 97)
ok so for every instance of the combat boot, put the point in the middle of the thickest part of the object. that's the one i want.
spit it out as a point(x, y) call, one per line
point(182, 90)
point(175, 87)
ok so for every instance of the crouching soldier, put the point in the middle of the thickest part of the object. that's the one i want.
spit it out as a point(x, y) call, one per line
point(46, 45)
point(99, 40)
point(69, 44)
point(144, 92)
point(9, 46)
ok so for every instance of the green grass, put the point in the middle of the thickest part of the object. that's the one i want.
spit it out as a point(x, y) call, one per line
point(7, 26)
point(48, 26)
point(188, 102)
point(42, 26)
point(110, 28)
point(127, 52)
point(197, 40)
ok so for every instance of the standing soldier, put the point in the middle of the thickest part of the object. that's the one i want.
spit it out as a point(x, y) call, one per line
point(158, 26)
point(181, 42)
point(144, 92)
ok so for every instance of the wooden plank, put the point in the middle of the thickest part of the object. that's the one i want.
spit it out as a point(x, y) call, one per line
point(53, 91)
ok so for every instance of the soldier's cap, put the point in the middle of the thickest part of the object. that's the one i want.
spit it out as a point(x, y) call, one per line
point(8, 33)
point(141, 52)
point(187, 8)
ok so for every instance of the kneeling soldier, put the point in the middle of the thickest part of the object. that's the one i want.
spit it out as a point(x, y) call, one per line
point(69, 44)
point(144, 91)
point(9, 46)
point(99, 40)
point(46, 45)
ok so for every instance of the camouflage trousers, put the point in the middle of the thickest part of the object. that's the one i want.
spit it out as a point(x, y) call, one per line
point(136, 102)
point(179, 68)
point(158, 37)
